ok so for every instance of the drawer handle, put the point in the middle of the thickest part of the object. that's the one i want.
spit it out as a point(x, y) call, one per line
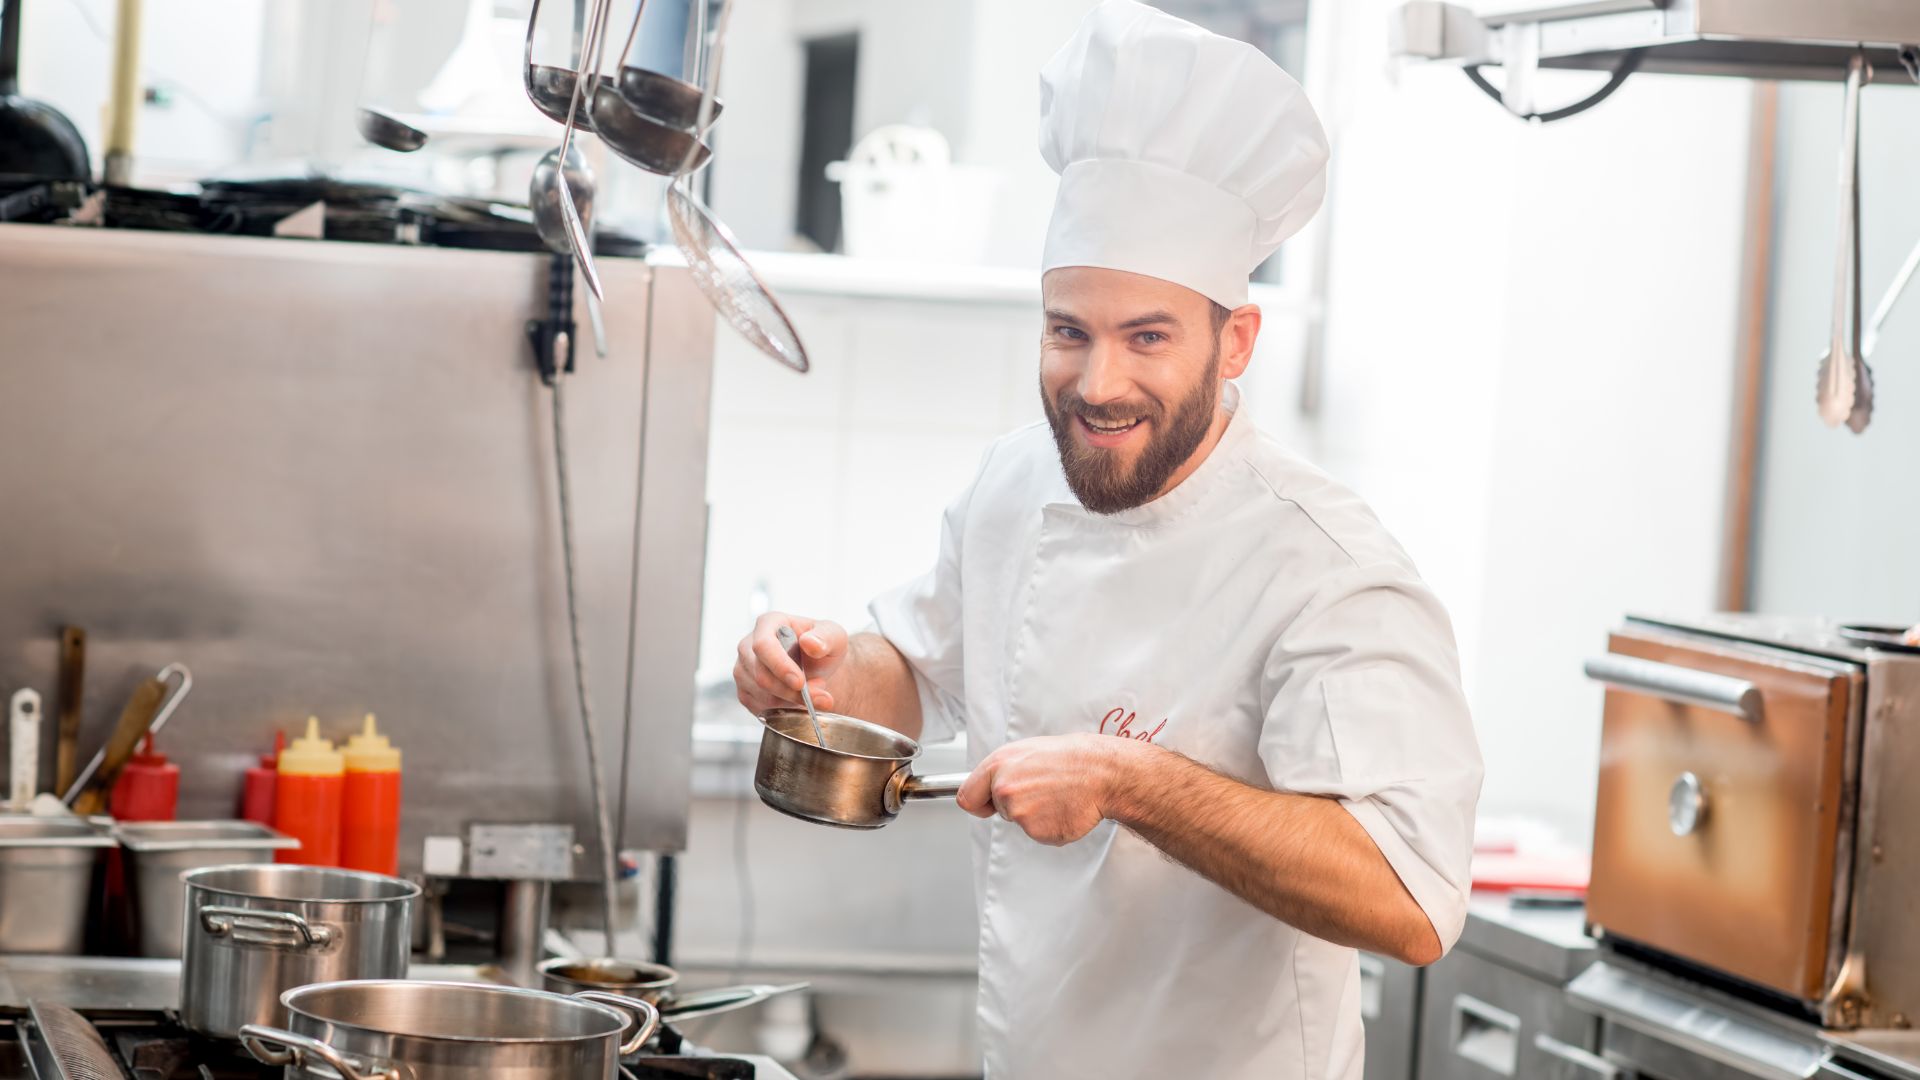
point(1580, 1062)
point(273, 929)
point(1485, 1035)
point(1680, 685)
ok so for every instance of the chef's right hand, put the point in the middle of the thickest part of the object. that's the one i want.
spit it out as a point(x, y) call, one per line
point(766, 678)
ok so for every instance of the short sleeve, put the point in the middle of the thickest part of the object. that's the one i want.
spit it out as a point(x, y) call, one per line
point(1363, 704)
point(922, 620)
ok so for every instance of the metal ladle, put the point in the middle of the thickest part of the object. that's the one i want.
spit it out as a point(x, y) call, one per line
point(549, 221)
point(555, 187)
point(383, 129)
point(636, 137)
point(791, 643)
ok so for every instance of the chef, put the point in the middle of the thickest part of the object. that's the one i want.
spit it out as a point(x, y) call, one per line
point(1214, 714)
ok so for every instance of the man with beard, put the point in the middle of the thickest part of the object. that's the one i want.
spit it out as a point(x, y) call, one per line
point(1214, 714)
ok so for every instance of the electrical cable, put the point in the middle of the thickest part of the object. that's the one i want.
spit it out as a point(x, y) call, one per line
point(1629, 63)
point(603, 824)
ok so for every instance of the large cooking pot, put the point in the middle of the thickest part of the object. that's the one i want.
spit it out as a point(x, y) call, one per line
point(254, 932)
point(859, 780)
point(404, 1030)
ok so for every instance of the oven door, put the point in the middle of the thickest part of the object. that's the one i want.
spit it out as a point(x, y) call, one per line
point(1725, 805)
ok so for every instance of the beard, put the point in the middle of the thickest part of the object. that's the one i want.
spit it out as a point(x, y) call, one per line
point(1100, 479)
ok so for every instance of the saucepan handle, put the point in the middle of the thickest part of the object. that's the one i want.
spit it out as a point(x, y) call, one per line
point(276, 1046)
point(645, 1017)
point(934, 786)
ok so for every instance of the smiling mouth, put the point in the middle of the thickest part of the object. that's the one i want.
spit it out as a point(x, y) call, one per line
point(1109, 428)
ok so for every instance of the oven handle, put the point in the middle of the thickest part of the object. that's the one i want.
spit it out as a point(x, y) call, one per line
point(1680, 685)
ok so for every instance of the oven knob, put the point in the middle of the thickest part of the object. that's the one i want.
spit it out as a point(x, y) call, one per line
point(1686, 805)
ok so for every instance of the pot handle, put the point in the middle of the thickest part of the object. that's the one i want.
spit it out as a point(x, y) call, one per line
point(645, 1016)
point(935, 786)
point(279, 1047)
point(281, 929)
point(903, 786)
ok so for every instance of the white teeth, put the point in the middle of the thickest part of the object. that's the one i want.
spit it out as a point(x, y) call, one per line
point(1109, 429)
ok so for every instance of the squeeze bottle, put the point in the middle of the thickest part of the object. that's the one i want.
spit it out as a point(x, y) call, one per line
point(306, 798)
point(370, 813)
point(148, 788)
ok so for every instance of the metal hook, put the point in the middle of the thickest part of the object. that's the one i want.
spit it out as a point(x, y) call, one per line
point(160, 716)
point(174, 699)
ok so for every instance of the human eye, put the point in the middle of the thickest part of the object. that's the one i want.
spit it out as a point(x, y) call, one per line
point(1069, 333)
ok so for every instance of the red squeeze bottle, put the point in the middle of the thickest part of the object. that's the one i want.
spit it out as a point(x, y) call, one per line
point(370, 814)
point(256, 791)
point(148, 788)
point(306, 799)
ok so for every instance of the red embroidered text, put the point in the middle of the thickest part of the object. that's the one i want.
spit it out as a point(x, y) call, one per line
point(1122, 721)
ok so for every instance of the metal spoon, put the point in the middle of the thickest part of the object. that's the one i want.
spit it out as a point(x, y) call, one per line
point(791, 643)
point(382, 128)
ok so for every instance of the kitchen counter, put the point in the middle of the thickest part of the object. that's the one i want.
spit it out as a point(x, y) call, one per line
point(1894, 1054)
point(1550, 942)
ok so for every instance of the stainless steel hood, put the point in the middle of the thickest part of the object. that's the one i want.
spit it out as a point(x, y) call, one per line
point(1762, 39)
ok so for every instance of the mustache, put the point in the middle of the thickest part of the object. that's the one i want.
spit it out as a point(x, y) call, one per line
point(1113, 413)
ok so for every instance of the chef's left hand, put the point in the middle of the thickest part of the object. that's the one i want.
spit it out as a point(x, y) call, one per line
point(1055, 787)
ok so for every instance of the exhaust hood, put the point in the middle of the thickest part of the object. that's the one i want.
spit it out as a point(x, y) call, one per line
point(1761, 39)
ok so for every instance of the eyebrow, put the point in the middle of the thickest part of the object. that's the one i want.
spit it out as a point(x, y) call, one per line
point(1151, 318)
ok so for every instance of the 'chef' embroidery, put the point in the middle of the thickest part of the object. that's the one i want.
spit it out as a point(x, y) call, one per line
point(1122, 722)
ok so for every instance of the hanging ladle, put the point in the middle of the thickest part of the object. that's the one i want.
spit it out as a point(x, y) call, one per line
point(553, 184)
point(673, 102)
point(635, 137)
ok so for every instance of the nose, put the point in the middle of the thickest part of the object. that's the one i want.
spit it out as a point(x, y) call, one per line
point(1105, 379)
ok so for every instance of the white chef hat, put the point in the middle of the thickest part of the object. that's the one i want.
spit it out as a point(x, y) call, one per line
point(1182, 155)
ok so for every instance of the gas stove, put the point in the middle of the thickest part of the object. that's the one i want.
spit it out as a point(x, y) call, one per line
point(154, 1046)
point(129, 1003)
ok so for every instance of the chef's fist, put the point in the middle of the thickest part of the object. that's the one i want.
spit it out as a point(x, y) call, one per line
point(766, 678)
point(1055, 787)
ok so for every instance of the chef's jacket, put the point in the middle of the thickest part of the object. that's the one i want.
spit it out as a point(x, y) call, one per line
point(1258, 619)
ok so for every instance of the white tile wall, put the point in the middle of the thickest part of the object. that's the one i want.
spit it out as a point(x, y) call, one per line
point(827, 488)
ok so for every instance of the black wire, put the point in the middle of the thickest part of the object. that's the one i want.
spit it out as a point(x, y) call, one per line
point(1629, 63)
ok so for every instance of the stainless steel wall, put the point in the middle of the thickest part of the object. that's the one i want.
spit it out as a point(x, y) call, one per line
point(321, 475)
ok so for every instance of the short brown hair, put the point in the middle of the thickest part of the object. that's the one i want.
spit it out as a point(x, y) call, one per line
point(1220, 317)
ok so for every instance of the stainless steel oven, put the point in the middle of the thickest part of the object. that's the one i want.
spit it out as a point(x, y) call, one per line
point(1754, 820)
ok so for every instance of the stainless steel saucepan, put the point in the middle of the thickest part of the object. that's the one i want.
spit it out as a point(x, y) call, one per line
point(654, 984)
point(859, 780)
point(405, 1030)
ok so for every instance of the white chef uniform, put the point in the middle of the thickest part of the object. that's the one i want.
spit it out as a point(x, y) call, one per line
point(1257, 618)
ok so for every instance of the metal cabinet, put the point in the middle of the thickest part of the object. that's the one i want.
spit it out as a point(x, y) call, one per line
point(1390, 1011)
point(1482, 1020)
